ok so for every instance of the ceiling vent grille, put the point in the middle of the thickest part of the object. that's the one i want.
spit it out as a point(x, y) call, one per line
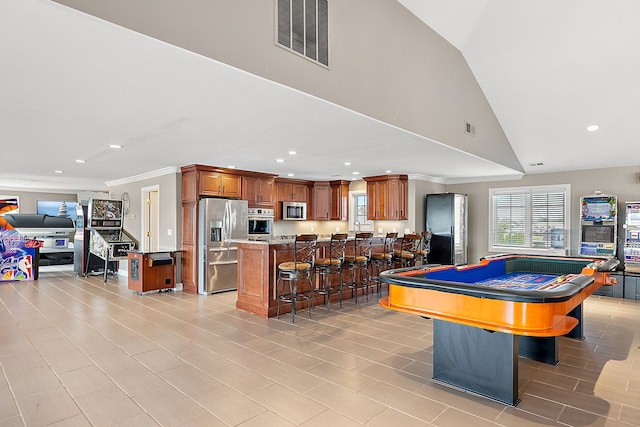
point(303, 28)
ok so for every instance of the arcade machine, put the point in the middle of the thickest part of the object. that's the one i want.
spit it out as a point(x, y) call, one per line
point(632, 237)
point(83, 263)
point(52, 233)
point(598, 225)
point(108, 240)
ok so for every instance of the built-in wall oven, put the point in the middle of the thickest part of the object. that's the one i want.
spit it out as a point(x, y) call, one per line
point(260, 223)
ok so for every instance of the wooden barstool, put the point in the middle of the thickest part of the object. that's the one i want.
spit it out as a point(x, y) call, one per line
point(382, 260)
point(359, 263)
point(422, 253)
point(331, 265)
point(405, 255)
point(304, 253)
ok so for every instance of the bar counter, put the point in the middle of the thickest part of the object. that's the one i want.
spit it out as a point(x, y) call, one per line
point(258, 272)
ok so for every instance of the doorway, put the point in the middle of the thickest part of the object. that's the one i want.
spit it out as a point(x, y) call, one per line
point(150, 218)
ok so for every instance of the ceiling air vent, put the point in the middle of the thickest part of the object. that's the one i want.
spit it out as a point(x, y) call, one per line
point(469, 129)
point(303, 27)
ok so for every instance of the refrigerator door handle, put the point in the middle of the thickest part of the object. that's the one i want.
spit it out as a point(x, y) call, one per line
point(223, 262)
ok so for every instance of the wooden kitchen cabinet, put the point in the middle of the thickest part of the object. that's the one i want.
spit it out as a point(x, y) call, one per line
point(292, 190)
point(321, 201)
point(398, 198)
point(220, 184)
point(339, 200)
point(377, 200)
point(258, 191)
point(204, 181)
point(387, 197)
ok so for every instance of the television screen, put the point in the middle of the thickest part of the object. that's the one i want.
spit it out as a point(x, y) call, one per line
point(50, 207)
point(598, 233)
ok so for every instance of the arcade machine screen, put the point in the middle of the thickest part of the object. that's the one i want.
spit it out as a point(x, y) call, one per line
point(105, 214)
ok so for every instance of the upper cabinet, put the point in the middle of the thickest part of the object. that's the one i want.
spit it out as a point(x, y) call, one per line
point(220, 184)
point(330, 200)
point(387, 197)
point(209, 181)
point(292, 190)
point(339, 200)
point(258, 191)
point(321, 201)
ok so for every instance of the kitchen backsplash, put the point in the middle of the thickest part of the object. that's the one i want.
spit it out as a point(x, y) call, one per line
point(326, 228)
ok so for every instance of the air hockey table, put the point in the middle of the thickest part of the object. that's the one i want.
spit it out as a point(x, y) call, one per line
point(488, 314)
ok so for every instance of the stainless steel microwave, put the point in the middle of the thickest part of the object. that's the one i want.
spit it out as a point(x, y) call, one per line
point(294, 211)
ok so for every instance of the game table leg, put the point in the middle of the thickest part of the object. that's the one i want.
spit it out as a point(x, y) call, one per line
point(540, 349)
point(546, 349)
point(476, 360)
point(578, 331)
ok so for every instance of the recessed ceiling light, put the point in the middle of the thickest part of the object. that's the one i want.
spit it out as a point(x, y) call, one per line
point(57, 171)
point(387, 171)
point(289, 174)
point(280, 160)
point(355, 173)
point(115, 146)
point(231, 167)
point(292, 152)
point(79, 161)
point(593, 128)
point(347, 163)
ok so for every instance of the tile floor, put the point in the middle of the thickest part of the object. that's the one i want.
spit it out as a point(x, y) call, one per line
point(76, 352)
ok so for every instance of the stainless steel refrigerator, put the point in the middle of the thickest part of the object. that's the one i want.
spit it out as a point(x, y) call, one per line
point(446, 218)
point(222, 222)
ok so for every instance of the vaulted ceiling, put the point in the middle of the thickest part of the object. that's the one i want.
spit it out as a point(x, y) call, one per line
point(549, 69)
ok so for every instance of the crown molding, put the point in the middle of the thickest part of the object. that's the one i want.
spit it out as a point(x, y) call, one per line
point(472, 180)
point(466, 180)
point(153, 174)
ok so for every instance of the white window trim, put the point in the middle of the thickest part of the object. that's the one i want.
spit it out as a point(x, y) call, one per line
point(529, 250)
point(367, 226)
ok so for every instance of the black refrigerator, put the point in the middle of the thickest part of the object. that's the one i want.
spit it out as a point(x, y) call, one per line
point(446, 218)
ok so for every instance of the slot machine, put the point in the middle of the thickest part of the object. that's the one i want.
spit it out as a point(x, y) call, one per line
point(632, 237)
point(598, 225)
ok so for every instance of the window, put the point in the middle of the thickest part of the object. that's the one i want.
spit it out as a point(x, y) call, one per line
point(303, 28)
point(358, 212)
point(529, 219)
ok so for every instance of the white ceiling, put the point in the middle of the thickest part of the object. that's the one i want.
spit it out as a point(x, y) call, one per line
point(548, 69)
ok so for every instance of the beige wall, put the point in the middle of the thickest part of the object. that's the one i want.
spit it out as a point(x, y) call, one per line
point(622, 182)
point(170, 205)
point(384, 62)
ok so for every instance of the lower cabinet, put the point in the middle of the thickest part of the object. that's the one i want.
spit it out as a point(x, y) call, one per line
point(632, 286)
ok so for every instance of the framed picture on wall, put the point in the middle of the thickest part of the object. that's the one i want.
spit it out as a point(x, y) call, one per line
point(9, 204)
